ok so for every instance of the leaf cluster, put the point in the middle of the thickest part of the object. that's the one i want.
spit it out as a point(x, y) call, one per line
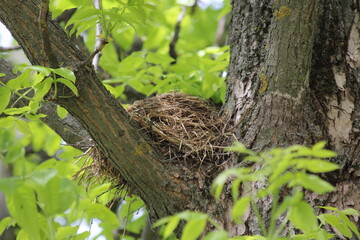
point(281, 175)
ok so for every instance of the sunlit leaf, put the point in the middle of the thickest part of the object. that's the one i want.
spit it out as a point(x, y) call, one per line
point(62, 112)
point(240, 207)
point(216, 235)
point(14, 111)
point(336, 223)
point(5, 94)
point(65, 73)
point(302, 215)
point(69, 84)
point(314, 183)
point(316, 165)
point(171, 226)
point(193, 229)
point(6, 223)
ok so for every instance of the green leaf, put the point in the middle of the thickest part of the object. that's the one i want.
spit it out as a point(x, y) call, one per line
point(22, 207)
point(235, 188)
point(62, 112)
point(161, 222)
point(103, 213)
point(279, 182)
point(45, 70)
point(302, 215)
point(313, 183)
point(57, 195)
point(193, 229)
point(15, 111)
point(42, 89)
point(156, 58)
point(324, 153)
point(42, 177)
point(240, 148)
point(336, 223)
point(9, 185)
point(21, 81)
point(350, 211)
point(349, 224)
point(171, 226)
point(5, 94)
point(316, 165)
point(82, 236)
point(65, 73)
point(6, 136)
point(240, 208)
point(66, 232)
point(6, 223)
point(15, 153)
point(319, 146)
point(23, 126)
point(69, 84)
point(217, 235)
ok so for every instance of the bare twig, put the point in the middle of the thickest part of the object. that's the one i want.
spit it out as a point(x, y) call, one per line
point(172, 50)
point(49, 57)
point(96, 51)
point(5, 49)
point(65, 16)
point(220, 36)
point(99, 41)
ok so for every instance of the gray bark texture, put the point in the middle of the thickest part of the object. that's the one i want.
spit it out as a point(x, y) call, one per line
point(294, 78)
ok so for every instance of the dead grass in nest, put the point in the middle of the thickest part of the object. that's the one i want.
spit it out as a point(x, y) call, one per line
point(97, 168)
point(184, 128)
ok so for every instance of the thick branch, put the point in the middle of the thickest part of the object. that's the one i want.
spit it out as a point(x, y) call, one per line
point(118, 137)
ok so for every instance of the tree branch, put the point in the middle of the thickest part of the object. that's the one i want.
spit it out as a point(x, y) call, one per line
point(5, 49)
point(163, 188)
point(172, 46)
point(99, 41)
point(68, 128)
point(49, 55)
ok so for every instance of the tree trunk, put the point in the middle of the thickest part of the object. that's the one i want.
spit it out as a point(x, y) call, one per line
point(294, 78)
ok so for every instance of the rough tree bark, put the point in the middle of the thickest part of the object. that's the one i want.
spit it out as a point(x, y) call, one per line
point(294, 77)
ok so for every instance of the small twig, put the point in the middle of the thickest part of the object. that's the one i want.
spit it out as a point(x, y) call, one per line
point(172, 50)
point(99, 40)
point(219, 36)
point(5, 49)
point(93, 54)
point(65, 16)
point(50, 59)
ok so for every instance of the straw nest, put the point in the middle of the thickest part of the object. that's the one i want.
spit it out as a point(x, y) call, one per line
point(183, 127)
point(186, 129)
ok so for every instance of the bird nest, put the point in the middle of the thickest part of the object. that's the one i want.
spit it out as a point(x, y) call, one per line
point(186, 129)
point(183, 127)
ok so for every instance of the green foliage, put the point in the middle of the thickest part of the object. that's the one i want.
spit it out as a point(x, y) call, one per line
point(41, 196)
point(274, 171)
point(199, 68)
point(37, 80)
